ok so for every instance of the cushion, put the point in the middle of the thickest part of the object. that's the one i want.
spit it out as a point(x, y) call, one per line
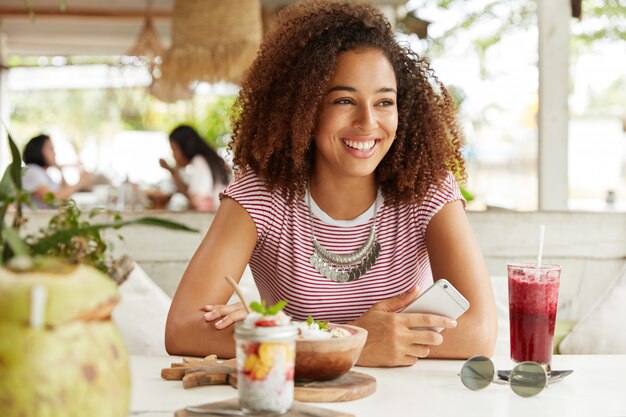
point(141, 314)
point(602, 330)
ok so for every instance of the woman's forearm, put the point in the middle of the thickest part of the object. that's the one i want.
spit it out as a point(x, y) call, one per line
point(194, 336)
point(472, 336)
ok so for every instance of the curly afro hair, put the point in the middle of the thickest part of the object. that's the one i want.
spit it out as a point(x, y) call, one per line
point(276, 112)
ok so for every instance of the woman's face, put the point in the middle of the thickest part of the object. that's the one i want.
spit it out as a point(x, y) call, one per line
point(179, 157)
point(359, 115)
point(49, 156)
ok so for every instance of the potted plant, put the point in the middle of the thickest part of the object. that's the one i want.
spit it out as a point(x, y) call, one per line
point(60, 353)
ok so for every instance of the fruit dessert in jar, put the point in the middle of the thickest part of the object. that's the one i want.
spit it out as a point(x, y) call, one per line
point(266, 343)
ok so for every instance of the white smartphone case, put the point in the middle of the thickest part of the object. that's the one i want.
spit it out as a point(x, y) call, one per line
point(442, 299)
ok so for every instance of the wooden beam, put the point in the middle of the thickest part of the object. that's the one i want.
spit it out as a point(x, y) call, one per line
point(82, 13)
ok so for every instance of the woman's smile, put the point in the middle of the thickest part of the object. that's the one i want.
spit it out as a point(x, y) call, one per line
point(360, 148)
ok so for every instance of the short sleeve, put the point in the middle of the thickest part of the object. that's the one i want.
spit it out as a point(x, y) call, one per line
point(252, 194)
point(438, 196)
point(36, 177)
point(200, 177)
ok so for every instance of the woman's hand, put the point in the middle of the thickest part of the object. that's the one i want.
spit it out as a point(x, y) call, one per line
point(228, 314)
point(165, 165)
point(391, 340)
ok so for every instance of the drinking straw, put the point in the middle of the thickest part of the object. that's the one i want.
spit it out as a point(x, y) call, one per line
point(239, 293)
point(38, 297)
point(542, 232)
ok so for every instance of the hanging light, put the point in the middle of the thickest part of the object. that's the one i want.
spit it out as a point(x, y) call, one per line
point(212, 40)
point(148, 45)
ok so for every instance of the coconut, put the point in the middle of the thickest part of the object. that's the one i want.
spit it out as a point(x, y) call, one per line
point(72, 360)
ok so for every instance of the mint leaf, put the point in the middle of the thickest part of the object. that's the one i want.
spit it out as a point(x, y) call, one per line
point(262, 309)
point(257, 308)
point(323, 325)
point(276, 307)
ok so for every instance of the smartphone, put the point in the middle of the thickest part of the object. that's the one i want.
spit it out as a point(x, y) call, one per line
point(442, 299)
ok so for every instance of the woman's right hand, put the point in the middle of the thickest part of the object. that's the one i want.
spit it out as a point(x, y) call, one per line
point(226, 313)
point(391, 338)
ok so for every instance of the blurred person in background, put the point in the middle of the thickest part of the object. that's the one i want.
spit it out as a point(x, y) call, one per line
point(200, 173)
point(39, 156)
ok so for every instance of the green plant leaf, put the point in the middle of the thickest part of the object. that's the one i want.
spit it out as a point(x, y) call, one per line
point(16, 165)
point(15, 242)
point(6, 184)
point(45, 244)
point(466, 194)
point(153, 221)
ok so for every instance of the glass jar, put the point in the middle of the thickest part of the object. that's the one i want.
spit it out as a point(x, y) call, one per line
point(265, 367)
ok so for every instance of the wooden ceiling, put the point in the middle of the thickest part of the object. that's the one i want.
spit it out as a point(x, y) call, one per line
point(89, 27)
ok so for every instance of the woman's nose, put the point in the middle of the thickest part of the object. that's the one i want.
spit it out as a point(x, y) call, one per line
point(365, 118)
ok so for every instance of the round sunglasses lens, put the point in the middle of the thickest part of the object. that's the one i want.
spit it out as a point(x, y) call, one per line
point(477, 373)
point(528, 379)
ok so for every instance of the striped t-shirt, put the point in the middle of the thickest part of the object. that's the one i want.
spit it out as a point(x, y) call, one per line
point(280, 262)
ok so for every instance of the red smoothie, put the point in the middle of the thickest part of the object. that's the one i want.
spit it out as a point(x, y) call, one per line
point(533, 300)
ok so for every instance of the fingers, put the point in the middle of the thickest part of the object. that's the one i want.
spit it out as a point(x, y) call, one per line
point(224, 314)
point(428, 321)
point(398, 302)
point(164, 164)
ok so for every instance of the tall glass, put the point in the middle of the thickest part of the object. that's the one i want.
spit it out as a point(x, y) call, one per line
point(533, 301)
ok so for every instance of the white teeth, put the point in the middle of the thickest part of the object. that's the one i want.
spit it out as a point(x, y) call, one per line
point(360, 145)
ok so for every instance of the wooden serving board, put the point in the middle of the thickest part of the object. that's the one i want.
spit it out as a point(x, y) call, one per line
point(348, 387)
point(297, 410)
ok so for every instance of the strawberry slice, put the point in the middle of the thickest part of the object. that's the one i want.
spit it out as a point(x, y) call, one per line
point(265, 323)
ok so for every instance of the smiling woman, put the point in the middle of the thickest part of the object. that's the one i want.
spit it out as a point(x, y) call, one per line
point(345, 202)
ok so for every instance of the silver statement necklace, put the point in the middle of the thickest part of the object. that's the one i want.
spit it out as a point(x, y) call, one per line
point(344, 267)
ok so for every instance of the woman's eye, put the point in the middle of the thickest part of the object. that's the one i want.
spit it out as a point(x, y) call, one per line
point(386, 103)
point(343, 101)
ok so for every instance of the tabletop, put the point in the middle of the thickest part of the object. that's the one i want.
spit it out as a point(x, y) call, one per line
point(428, 388)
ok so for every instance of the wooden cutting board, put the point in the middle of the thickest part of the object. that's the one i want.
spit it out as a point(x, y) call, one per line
point(297, 410)
point(348, 387)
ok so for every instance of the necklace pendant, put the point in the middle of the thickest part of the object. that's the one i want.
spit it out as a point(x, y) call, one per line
point(342, 273)
point(345, 267)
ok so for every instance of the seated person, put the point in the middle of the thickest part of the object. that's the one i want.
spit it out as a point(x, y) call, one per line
point(345, 202)
point(39, 155)
point(206, 174)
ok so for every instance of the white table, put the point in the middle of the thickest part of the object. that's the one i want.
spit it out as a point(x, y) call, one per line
point(429, 388)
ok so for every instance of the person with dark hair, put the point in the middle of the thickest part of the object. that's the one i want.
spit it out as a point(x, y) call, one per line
point(39, 156)
point(345, 202)
point(206, 173)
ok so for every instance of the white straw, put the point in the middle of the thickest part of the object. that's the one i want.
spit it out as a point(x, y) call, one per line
point(542, 232)
point(38, 297)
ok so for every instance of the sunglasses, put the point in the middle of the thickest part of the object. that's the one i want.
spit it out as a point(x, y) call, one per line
point(526, 379)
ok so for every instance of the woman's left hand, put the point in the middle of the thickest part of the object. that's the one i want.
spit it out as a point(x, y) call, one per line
point(227, 313)
point(165, 165)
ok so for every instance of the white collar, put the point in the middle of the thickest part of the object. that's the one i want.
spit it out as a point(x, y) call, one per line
point(362, 218)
